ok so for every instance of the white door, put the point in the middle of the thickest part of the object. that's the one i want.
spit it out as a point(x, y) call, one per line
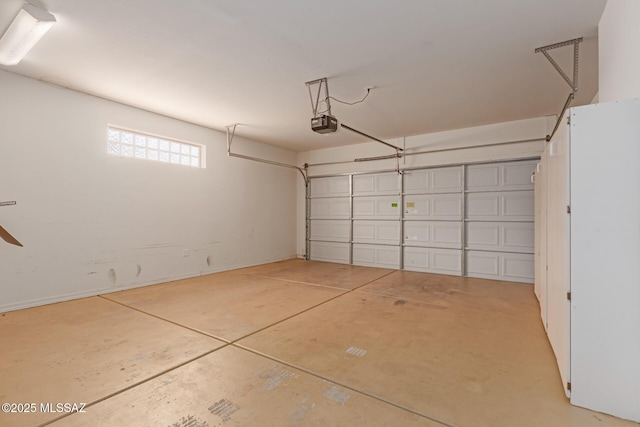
point(540, 283)
point(558, 261)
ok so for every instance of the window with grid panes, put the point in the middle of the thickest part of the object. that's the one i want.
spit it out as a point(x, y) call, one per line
point(126, 143)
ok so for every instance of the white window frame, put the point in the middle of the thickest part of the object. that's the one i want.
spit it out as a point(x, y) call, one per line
point(133, 144)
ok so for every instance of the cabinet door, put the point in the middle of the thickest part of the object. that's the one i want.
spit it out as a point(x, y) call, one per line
point(558, 261)
point(540, 282)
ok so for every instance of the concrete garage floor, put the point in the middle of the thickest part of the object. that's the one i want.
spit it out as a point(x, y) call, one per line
point(291, 343)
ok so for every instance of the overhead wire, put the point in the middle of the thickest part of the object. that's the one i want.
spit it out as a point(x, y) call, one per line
point(352, 103)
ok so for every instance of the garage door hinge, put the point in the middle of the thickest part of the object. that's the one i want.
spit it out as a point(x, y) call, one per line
point(568, 120)
point(569, 296)
point(569, 386)
point(568, 209)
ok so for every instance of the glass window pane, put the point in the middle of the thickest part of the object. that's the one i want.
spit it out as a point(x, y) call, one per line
point(113, 148)
point(126, 137)
point(141, 146)
point(141, 153)
point(114, 135)
point(127, 150)
point(141, 140)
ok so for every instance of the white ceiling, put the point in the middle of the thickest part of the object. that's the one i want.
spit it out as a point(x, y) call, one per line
point(435, 64)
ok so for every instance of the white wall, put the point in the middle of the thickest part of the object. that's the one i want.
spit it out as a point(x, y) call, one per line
point(81, 213)
point(618, 41)
point(501, 132)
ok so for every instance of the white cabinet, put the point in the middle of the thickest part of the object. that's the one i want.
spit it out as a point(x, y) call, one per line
point(591, 168)
point(540, 245)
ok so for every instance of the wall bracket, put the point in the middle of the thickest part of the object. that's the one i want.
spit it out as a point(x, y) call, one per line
point(231, 131)
point(573, 83)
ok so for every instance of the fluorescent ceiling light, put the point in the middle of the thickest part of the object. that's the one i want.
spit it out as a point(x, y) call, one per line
point(27, 28)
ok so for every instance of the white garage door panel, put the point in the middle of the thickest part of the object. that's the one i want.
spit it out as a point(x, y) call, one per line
point(518, 268)
point(441, 180)
point(501, 236)
point(430, 260)
point(369, 185)
point(330, 208)
point(436, 234)
point(330, 187)
point(376, 207)
point(380, 232)
point(500, 266)
point(330, 252)
point(517, 176)
point(376, 256)
point(434, 206)
point(331, 230)
point(502, 206)
point(500, 176)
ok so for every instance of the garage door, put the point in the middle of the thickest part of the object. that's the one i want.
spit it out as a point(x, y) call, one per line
point(473, 220)
point(432, 220)
point(376, 220)
point(330, 219)
point(499, 226)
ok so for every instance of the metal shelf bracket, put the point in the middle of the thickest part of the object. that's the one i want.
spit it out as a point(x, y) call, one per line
point(573, 83)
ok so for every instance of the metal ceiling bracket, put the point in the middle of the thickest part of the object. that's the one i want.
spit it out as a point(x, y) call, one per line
point(231, 132)
point(315, 101)
point(576, 53)
point(571, 82)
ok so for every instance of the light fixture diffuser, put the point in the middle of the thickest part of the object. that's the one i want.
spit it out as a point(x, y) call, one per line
point(27, 28)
